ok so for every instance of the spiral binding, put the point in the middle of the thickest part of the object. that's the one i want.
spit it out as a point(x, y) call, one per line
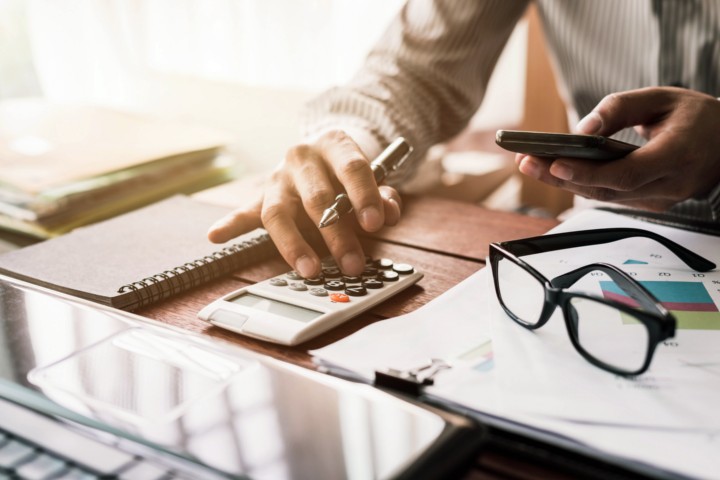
point(192, 274)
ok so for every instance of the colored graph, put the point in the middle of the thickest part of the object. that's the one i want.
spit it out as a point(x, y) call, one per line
point(690, 302)
point(480, 356)
point(631, 261)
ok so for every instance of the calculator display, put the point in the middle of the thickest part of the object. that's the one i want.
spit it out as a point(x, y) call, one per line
point(275, 307)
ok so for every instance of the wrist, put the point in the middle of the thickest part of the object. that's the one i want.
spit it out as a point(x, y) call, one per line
point(366, 140)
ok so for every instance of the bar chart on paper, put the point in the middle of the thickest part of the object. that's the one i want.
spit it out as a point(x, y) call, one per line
point(692, 297)
point(689, 301)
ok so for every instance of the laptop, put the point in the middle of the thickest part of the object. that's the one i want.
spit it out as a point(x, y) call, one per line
point(92, 392)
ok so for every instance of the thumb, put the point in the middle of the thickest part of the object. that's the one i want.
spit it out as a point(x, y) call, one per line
point(626, 109)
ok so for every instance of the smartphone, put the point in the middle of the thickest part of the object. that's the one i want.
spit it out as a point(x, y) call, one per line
point(541, 144)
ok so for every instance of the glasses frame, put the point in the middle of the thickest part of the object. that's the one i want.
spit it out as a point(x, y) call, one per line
point(658, 321)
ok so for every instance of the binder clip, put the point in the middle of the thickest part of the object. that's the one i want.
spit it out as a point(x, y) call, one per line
point(413, 380)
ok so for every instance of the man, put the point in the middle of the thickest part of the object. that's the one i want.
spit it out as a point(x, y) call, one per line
point(649, 64)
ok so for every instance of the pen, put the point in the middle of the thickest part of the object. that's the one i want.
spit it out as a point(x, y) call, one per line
point(390, 159)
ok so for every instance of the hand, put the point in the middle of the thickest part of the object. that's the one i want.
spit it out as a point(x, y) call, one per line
point(681, 159)
point(298, 192)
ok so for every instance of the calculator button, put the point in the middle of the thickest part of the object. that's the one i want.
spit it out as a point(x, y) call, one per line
point(403, 268)
point(298, 286)
point(347, 279)
point(370, 272)
point(356, 290)
point(339, 298)
point(278, 282)
point(15, 452)
point(332, 272)
point(319, 292)
point(41, 466)
point(334, 285)
point(372, 283)
point(389, 276)
point(384, 263)
point(314, 281)
point(328, 262)
point(293, 275)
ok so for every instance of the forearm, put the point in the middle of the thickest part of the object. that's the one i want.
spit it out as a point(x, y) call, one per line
point(425, 78)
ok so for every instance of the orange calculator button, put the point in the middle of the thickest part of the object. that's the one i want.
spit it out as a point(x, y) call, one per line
point(339, 298)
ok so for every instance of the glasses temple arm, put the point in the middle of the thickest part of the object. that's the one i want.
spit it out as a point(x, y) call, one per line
point(560, 241)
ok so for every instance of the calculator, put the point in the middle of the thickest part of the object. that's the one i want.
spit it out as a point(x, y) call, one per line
point(288, 309)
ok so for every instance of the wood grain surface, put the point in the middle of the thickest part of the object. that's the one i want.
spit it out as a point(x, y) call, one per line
point(445, 239)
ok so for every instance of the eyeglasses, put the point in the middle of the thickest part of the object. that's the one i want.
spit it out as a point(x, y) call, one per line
point(614, 336)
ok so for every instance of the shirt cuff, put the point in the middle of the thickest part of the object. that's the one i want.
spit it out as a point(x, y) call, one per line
point(714, 201)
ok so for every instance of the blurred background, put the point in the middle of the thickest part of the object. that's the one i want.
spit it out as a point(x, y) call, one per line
point(247, 66)
point(244, 65)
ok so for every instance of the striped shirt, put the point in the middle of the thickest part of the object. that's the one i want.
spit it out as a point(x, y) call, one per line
point(427, 75)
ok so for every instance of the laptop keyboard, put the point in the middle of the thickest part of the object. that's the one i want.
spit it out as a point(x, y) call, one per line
point(33, 446)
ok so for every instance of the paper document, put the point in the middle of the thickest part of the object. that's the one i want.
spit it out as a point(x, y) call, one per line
point(684, 377)
point(537, 378)
point(461, 338)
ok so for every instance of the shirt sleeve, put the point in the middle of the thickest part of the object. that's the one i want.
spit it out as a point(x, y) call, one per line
point(424, 79)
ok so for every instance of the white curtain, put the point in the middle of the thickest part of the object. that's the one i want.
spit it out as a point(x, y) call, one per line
point(17, 75)
point(246, 66)
point(91, 49)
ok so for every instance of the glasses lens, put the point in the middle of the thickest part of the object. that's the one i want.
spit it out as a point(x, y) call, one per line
point(613, 337)
point(520, 292)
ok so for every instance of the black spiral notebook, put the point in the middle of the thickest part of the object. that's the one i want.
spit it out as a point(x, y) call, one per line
point(138, 258)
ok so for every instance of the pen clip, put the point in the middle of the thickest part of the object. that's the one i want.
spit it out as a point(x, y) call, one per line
point(392, 158)
point(402, 161)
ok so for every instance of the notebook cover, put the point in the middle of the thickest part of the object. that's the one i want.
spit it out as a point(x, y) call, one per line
point(94, 262)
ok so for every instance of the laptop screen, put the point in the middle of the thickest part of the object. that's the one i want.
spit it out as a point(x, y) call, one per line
point(216, 405)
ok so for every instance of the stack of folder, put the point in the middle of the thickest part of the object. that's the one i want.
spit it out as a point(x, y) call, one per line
point(63, 166)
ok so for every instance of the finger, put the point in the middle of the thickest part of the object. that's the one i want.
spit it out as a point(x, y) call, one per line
point(626, 109)
point(353, 171)
point(236, 223)
point(311, 180)
point(649, 163)
point(279, 210)
point(623, 175)
point(652, 198)
point(344, 246)
point(534, 167)
point(392, 204)
point(314, 187)
point(655, 195)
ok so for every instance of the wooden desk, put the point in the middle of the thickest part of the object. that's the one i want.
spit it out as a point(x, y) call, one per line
point(446, 239)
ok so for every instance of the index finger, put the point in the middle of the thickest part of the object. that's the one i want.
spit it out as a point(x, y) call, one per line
point(352, 169)
point(643, 166)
